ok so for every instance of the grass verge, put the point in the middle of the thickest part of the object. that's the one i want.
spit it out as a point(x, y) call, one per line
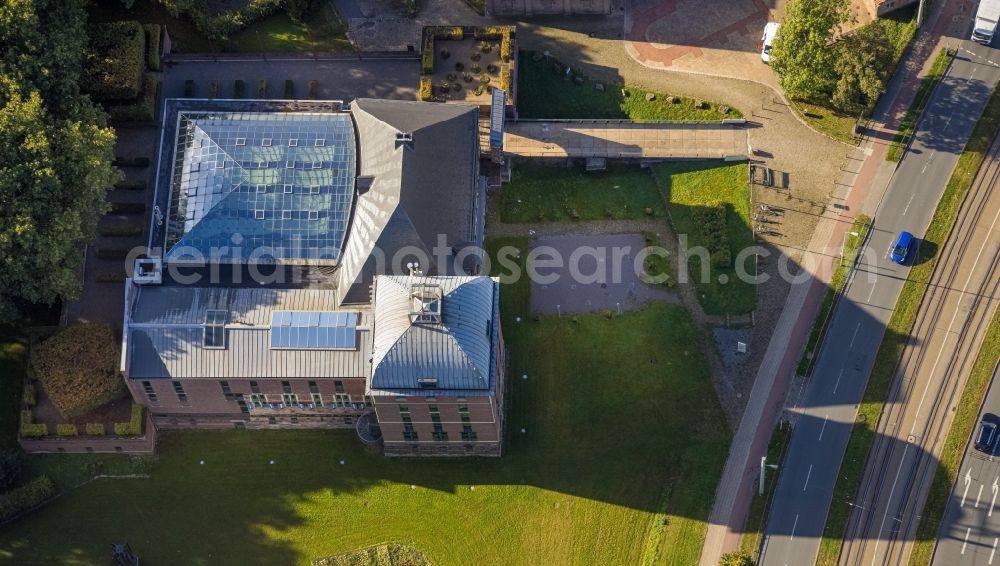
point(543, 194)
point(898, 331)
point(689, 186)
point(954, 445)
point(554, 95)
point(757, 516)
point(852, 244)
point(909, 121)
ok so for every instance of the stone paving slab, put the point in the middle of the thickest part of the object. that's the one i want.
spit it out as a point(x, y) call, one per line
point(624, 139)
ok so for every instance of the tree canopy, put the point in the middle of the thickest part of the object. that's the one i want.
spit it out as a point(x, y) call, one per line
point(55, 153)
point(801, 55)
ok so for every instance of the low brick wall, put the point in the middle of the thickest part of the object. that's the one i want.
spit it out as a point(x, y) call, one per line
point(438, 449)
point(145, 444)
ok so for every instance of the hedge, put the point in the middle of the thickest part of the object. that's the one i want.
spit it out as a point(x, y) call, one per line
point(95, 429)
point(426, 89)
point(30, 397)
point(220, 25)
point(131, 162)
point(134, 426)
point(111, 253)
point(262, 88)
point(130, 185)
point(66, 429)
point(30, 429)
point(142, 110)
point(26, 497)
point(427, 58)
point(110, 277)
point(313, 89)
point(189, 88)
point(128, 207)
point(78, 367)
point(153, 34)
point(113, 61)
point(239, 89)
point(119, 230)
point(289, 89)
point(505, 79)
point(505, 42)
point(213, 89)
point(446, 32)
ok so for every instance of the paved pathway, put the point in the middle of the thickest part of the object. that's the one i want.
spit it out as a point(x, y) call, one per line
point(624, 139)
point(776, 371)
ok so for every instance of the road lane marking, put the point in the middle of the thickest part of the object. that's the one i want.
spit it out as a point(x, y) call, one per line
point(836, 385)
point(808, 474)
point(994, 550)
point(870, 295)
point(993, 503)
point(908, 203)
point(794, 524)
point(966, 541)
point(968, 482)
point(825, 417)
point(856, 329)
point(978, 495)
point(928, 162)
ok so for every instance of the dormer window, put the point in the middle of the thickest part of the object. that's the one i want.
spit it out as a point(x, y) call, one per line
point(427, 382)
point(215, 329)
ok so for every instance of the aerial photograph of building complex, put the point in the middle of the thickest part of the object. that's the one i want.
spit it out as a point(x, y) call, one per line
point(499, 282)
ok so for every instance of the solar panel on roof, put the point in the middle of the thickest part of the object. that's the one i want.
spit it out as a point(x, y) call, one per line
point(314, 330)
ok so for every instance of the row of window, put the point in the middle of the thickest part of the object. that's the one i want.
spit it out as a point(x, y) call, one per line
point(255, 398)
point(438, 434)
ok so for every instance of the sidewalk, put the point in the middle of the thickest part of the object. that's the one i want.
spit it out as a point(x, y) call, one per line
point(861, 192)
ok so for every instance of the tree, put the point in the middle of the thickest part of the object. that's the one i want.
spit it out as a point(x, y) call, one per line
point(863, 66)
point(801, 55)
point(738, 558)
point(55, 153)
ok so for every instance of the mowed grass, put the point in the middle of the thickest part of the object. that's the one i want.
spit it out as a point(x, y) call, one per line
point(546, 93)
point(897, 333)
point(542, 194)
point(624, 442)
point(688, 185)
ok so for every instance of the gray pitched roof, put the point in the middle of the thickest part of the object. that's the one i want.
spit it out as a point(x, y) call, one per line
point(459, 352)
point(163, 337)
point(422, 188)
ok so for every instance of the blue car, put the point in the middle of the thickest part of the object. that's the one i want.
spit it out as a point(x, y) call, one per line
point(901, 248)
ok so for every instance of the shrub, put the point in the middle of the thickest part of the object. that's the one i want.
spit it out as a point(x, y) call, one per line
point(152, 45)
point(289, 89)
point(505, 79)
point(444, 53)
point(10, 468)
point(134, 426)
point(66, 429)
point(128, 207)
point(110, 277)
point(30, 396)
point(119, 230)
point(427, 56)
point(475, 56)
point(447, 32)
point(491, 32)
point(485, 46)
point(313, 90)
point(130, 185)
point(262, 88)
point(738, 558)
point(426, 89)
point(459, 67)
point(131, 162)
point(712, 227)
point(505, 41)
point(26, 497)
point(220, 25)
point(78, 367)
point(144, 109)
point(111, 253)
point(239, 89)
point(30, 429)
point(95, 429)
point(213, 89)
point(113, 61)
point(189, 88)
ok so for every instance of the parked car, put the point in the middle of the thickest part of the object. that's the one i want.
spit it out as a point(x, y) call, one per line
point(770, 31)
point(901, 248)
point(987, 435)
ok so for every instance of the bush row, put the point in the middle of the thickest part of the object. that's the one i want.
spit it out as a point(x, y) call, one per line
point(128, 207)
point(142, 110)
point(134, 426)
point(426, 89)
point(95, 429)
point(222, 24)
point(130, 162)
point(110, 277)
point(119, 230)
point(26, 497)
point(30, 397)
point(67, 429)
point(153, 54)
point(30, 429)
point(131, 185)
point(712, 223)
point(113, 61)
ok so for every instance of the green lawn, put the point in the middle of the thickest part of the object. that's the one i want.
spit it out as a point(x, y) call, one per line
point(545, 92)
point(624, 444)
point(277, 33)
point(540, 194)
point(897, 333)
point(689, 185)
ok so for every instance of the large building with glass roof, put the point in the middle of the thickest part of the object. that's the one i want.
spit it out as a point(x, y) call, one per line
point(316, 264)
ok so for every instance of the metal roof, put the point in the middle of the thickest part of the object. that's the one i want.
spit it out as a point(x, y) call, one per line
point(165, 332)
point(459, 352)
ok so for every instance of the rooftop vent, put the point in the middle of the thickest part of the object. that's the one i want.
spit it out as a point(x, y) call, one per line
point(148, 271)
point(404, 140)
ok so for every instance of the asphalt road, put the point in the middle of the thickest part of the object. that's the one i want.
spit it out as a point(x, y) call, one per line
point(829, 403)
point(970, 530)
point(953, 320)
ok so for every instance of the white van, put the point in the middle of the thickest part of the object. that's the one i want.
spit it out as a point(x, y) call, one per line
point(770, 30)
